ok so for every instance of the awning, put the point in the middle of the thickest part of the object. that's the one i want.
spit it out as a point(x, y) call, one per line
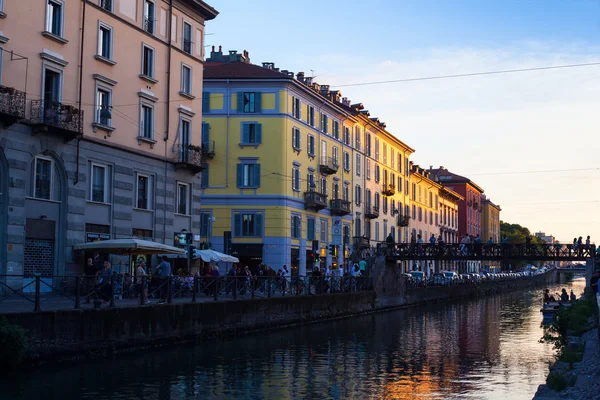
point(211, 255)
point(129, 247)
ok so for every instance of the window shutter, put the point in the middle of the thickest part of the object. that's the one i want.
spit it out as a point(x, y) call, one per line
point(293, 225)
point(240, 102)
point(245, 133)
point(205, 102)
point(205, 134)
point(257, 175)
point(258, 133)
point(204, 181)
point(237, 222)
point(240, 175)
point(257, 102)
point(258, 226)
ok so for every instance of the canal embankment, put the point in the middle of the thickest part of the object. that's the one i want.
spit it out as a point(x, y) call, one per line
point(62, 335)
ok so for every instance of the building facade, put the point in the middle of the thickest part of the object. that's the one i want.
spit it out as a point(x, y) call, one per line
point(102, 113)
point(297, 167)
point(490, 225)
point(449, 201)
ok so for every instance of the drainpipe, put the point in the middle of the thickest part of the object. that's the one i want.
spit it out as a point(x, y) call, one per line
point(168, 114)
point(76, 179)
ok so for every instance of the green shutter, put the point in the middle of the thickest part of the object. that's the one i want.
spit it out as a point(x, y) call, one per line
point(204, 179)
point(240, 175)
point(237, 224)
point(205, 134)
point(257, 102)
point(257, 175)
point(205, 102)
point(258, 226)
point(240, 102)
point(258, 133)
point(245, 133)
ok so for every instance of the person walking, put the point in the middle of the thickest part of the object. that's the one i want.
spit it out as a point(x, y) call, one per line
point(363, 266)
point(164, 272)
point(142, 284)
point(106, 281)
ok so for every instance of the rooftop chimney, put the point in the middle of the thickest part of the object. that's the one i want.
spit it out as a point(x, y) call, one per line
point(300, 76)
point(346, 101)
point(268, 65)
point(308, 81)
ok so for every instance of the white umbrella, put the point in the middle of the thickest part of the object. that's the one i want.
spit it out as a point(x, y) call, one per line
point(129, 247)
point(211, 255)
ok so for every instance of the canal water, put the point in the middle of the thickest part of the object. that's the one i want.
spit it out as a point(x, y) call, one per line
point(486, 348)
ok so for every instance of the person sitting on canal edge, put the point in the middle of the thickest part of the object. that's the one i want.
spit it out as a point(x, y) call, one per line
point(573, 297)
point(564, 297)
point(547, 296)
point(164, 271)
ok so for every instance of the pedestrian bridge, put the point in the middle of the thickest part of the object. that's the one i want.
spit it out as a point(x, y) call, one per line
point(485, 251)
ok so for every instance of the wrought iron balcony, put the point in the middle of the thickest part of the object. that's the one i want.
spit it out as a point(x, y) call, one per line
point(361, 242)
point(56, 118)
point(208, 149)
point(371, 212)
point(12, 105)
point(328, 165)
point(149, 24)
point(402, 220)
point(189, 157)
point(315, 200)
point(187, 46)
point(388, 190)
point(339, 207)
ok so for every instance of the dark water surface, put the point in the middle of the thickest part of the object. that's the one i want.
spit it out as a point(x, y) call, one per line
point(477, 349)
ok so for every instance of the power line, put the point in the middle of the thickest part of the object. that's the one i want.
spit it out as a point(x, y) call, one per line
point(537, 171)
point(505, 71)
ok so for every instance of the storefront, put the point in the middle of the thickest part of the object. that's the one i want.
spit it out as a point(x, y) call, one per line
point(249, 254)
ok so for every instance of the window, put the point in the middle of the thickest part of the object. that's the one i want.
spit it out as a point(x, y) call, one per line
point(311, 145)
point(149, 17)
point(310, 178)
point(296, 179)
point(147, 122)
point(204, 224)
point(186, 79)
point(296, 226)
point(335, 155)
point(346, 193)
point(399, 163)
point(384, 153)
point(296, 140)
point(385, 205)
point(347, 136)
point(106, 4)
point(335, 192)
point(377, 200)
point(368, 149)
point(248, 224)
point(414, 212)
point(99, 192)
point(377, 149)
point(368, 198)
point(147, 61)
point(357, 166)
point(248, 175)
point(54, 17)
point(105, 35)
point(183, 198)
point(324, 230)
point(368, 168)
point(392, 158)
point(249, 102)
point(346, 161)
point(143, 192)
point(377, 173)
point(357, 137)
point(310, 117)
point(377, 231)
point(324, 123)
point(52, 87)
point(296, 107)
point(336, 130)
point(187, 38)
point(42, 188)
point(310, 229)
point(142, 233)
point(324, 185)
point(399, 187)
point(103, 107)
point(357, 230)
point(346, 234)
point(357, 195)
point(251, 133)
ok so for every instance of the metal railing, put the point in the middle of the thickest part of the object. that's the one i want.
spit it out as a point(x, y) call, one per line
point(58, 115)
point(189, 155)
point(12, 101)
point(149, 24)
point(371, 212)
point(19, 293)
point(340, 207)
point(208, 148)
point(187, 46)
point(328, 165)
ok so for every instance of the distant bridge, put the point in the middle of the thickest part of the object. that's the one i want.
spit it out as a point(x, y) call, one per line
point(485, 252)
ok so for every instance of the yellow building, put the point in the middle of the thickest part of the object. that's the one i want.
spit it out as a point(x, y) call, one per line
point(490, 227)
point(289, 167)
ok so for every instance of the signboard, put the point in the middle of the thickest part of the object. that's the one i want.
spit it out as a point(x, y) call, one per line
point(336, 232)
point(96, 237)
point(183, 239)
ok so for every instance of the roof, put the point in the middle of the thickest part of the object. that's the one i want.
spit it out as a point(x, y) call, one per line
point(438, 173)
point(204, 9)
point(446, 192)
point(240, 70)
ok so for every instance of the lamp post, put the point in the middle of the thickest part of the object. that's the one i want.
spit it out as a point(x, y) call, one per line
point(211, 220)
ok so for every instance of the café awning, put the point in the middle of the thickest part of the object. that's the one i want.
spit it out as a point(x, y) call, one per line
point(129, 247)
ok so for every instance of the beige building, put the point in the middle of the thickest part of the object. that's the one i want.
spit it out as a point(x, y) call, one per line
point(102, 110)
point(490, 226)
point(448, 218)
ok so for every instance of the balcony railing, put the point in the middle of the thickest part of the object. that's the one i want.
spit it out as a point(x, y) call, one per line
point(371, 212)
point(328, 165)
point(208, 149)
point(12, 105)
point(57, 118)
point(187, 46)
point(402, 220)
point(339, 207)
point(189, 157)
point(361, 242)
point(149, 24)
point(388, 190)
point(315, 200)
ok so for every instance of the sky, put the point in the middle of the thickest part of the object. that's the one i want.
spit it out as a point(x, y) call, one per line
point(529, 139)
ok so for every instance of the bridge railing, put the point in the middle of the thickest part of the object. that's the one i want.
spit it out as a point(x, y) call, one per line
point(485, 250)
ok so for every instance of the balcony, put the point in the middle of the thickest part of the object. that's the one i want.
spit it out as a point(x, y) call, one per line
point(361, 242)
point(339, 207)
point(56, 118)
point(388, 190)
point(189, 157)
point(402, 220)
point(315, 200)
point(328, 166)
point(371, 212)
point(187, 46)
point(208, 149)
point(149, 25)
point(12, 105)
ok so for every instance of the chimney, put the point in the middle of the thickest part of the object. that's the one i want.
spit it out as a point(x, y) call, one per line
point(300, 76)
point(268, 65)
point(220, 49)
point(346, 101)
point(308, 81)
point(324, 90)
point(233, 55)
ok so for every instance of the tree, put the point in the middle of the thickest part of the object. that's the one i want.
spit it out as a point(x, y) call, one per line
point(517, 233)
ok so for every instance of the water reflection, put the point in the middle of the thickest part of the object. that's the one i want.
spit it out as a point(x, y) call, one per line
point(482, 349)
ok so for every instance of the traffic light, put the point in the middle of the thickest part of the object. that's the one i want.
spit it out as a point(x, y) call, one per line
point(333, 250)
point(317, 258)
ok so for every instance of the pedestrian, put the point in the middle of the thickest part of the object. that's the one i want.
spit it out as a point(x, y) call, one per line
point(164, 272)
point(363, 266)
point(88, 279)
point(142, 284)
point(106, 281)
point(573, 297)
point(390, 240)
